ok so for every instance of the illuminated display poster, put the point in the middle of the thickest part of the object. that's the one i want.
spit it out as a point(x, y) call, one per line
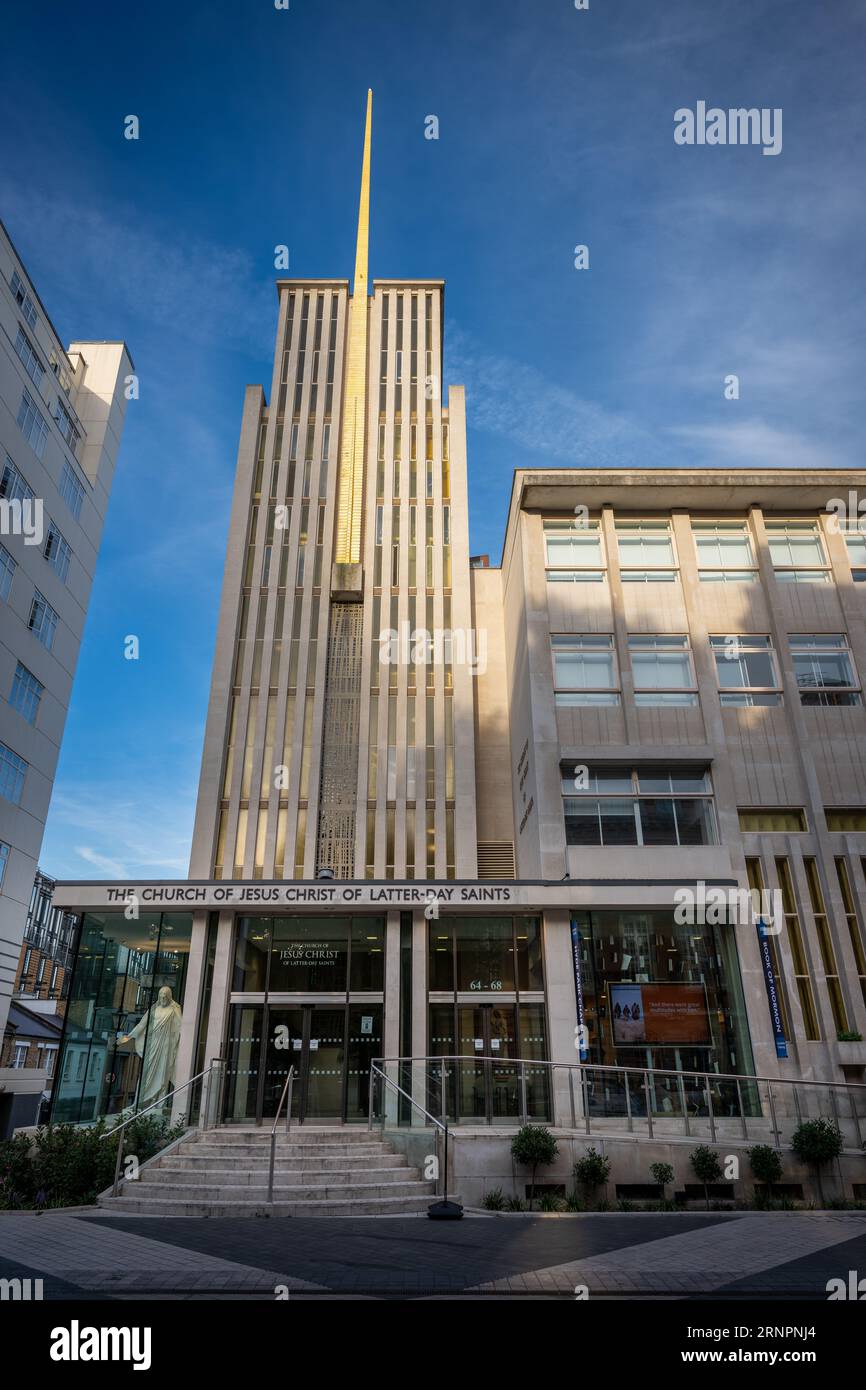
point(659, 1014)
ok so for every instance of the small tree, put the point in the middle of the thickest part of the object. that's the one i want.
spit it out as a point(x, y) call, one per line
point(817, 1142)
point(662, 1173)
point(707, 1168)
point(533, 1145)
point(766, 1165)
point(592, 1171)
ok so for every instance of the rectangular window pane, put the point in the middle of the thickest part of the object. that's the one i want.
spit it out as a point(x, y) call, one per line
point(646, 544)
point(32, 423)
point(7, 570)
point(71, 490)
point(26, 693)
point(722, 546)
point(12, 773)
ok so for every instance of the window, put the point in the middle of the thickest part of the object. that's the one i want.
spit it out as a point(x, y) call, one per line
point(32, 424)
point(64, 380)
point(4, 860)
point(823, 669)
point(7, 569)
point(71, 489)
point(724, 552)
point(846, 818)
point(23, 300)
point(825, 942)
point(639, 806)
point(798, 954)
point(646, 552)
point(853, 922)
point(57, 552)
point(12, 485)
point(19, 1057)
point(30, 357)
point(856, 543)
point(775, 819)
point(573, 553)
point(12, 772)
point(43, 620)
point(662, 670)
point(26, 693)
point(584, 670)
point(796, 552)
point(746, 670)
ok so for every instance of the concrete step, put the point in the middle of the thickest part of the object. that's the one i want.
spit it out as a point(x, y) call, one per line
point(299, 1134)
point(283, 1163)
point(229, 1177)
point(161, 1206)
point(327, 1172)
point(239, 1192)
point(238, 1152)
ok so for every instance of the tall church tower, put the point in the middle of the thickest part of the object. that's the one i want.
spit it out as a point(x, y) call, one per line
point(337, 741)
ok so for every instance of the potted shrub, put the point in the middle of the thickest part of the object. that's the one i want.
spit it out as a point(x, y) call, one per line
point(707, 1168)
point(662, 1173)
point(817, 1142)
point(534, 1146)
point(592, 1171)
point(766, 1165)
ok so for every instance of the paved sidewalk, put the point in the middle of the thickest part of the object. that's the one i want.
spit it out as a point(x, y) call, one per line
point(689, 1256)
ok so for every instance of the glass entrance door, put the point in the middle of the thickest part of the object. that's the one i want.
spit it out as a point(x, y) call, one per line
point(488, 1086)
point(266, 1040)
point(322, 1070)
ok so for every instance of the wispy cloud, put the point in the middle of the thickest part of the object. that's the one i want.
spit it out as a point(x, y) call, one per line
point(188, 285)
point(512, 399)
point(755, 444)
point(99, 826)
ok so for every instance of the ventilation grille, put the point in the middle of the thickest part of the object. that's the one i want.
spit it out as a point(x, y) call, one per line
point(495, 859)
point(338, 788)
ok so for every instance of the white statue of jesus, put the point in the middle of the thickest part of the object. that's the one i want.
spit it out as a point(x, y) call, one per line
point(160, 1029)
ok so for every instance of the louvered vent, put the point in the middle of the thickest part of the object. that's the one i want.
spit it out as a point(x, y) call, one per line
point(495, 859)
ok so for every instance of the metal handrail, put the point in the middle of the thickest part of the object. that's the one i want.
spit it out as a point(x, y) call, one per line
point(440, 1124)
point(120, 1129)
point(604, 1066)
point(704, 1078)
point(289, 1086)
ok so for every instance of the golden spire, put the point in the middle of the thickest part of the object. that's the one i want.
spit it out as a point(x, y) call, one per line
point(351, 478)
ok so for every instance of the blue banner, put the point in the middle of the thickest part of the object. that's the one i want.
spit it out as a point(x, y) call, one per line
point(583, 1050)
point(772, 989)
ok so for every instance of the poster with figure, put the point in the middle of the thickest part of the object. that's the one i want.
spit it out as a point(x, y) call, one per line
point(659, 1014)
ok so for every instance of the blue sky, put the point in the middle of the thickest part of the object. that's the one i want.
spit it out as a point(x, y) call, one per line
point(556, 128)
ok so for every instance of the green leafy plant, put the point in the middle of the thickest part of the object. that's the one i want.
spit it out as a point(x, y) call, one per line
point(592, 1171)
point(817, 1142)
point(662, 1173)
point(766, 1165)
point(494, 1200)
point(534, 1146)
point(848, 1035)
point(707, 1168)
point(514, 1204)
point(69, 1165)
point(573, 1202)
point(548, 1201)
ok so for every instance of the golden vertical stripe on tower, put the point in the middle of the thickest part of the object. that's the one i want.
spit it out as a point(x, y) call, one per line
point(351, 486)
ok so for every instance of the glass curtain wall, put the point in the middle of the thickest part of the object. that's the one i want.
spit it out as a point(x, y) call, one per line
point(123, 1019)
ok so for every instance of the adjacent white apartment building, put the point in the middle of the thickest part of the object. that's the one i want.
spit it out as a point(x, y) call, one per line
point(61, 418)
